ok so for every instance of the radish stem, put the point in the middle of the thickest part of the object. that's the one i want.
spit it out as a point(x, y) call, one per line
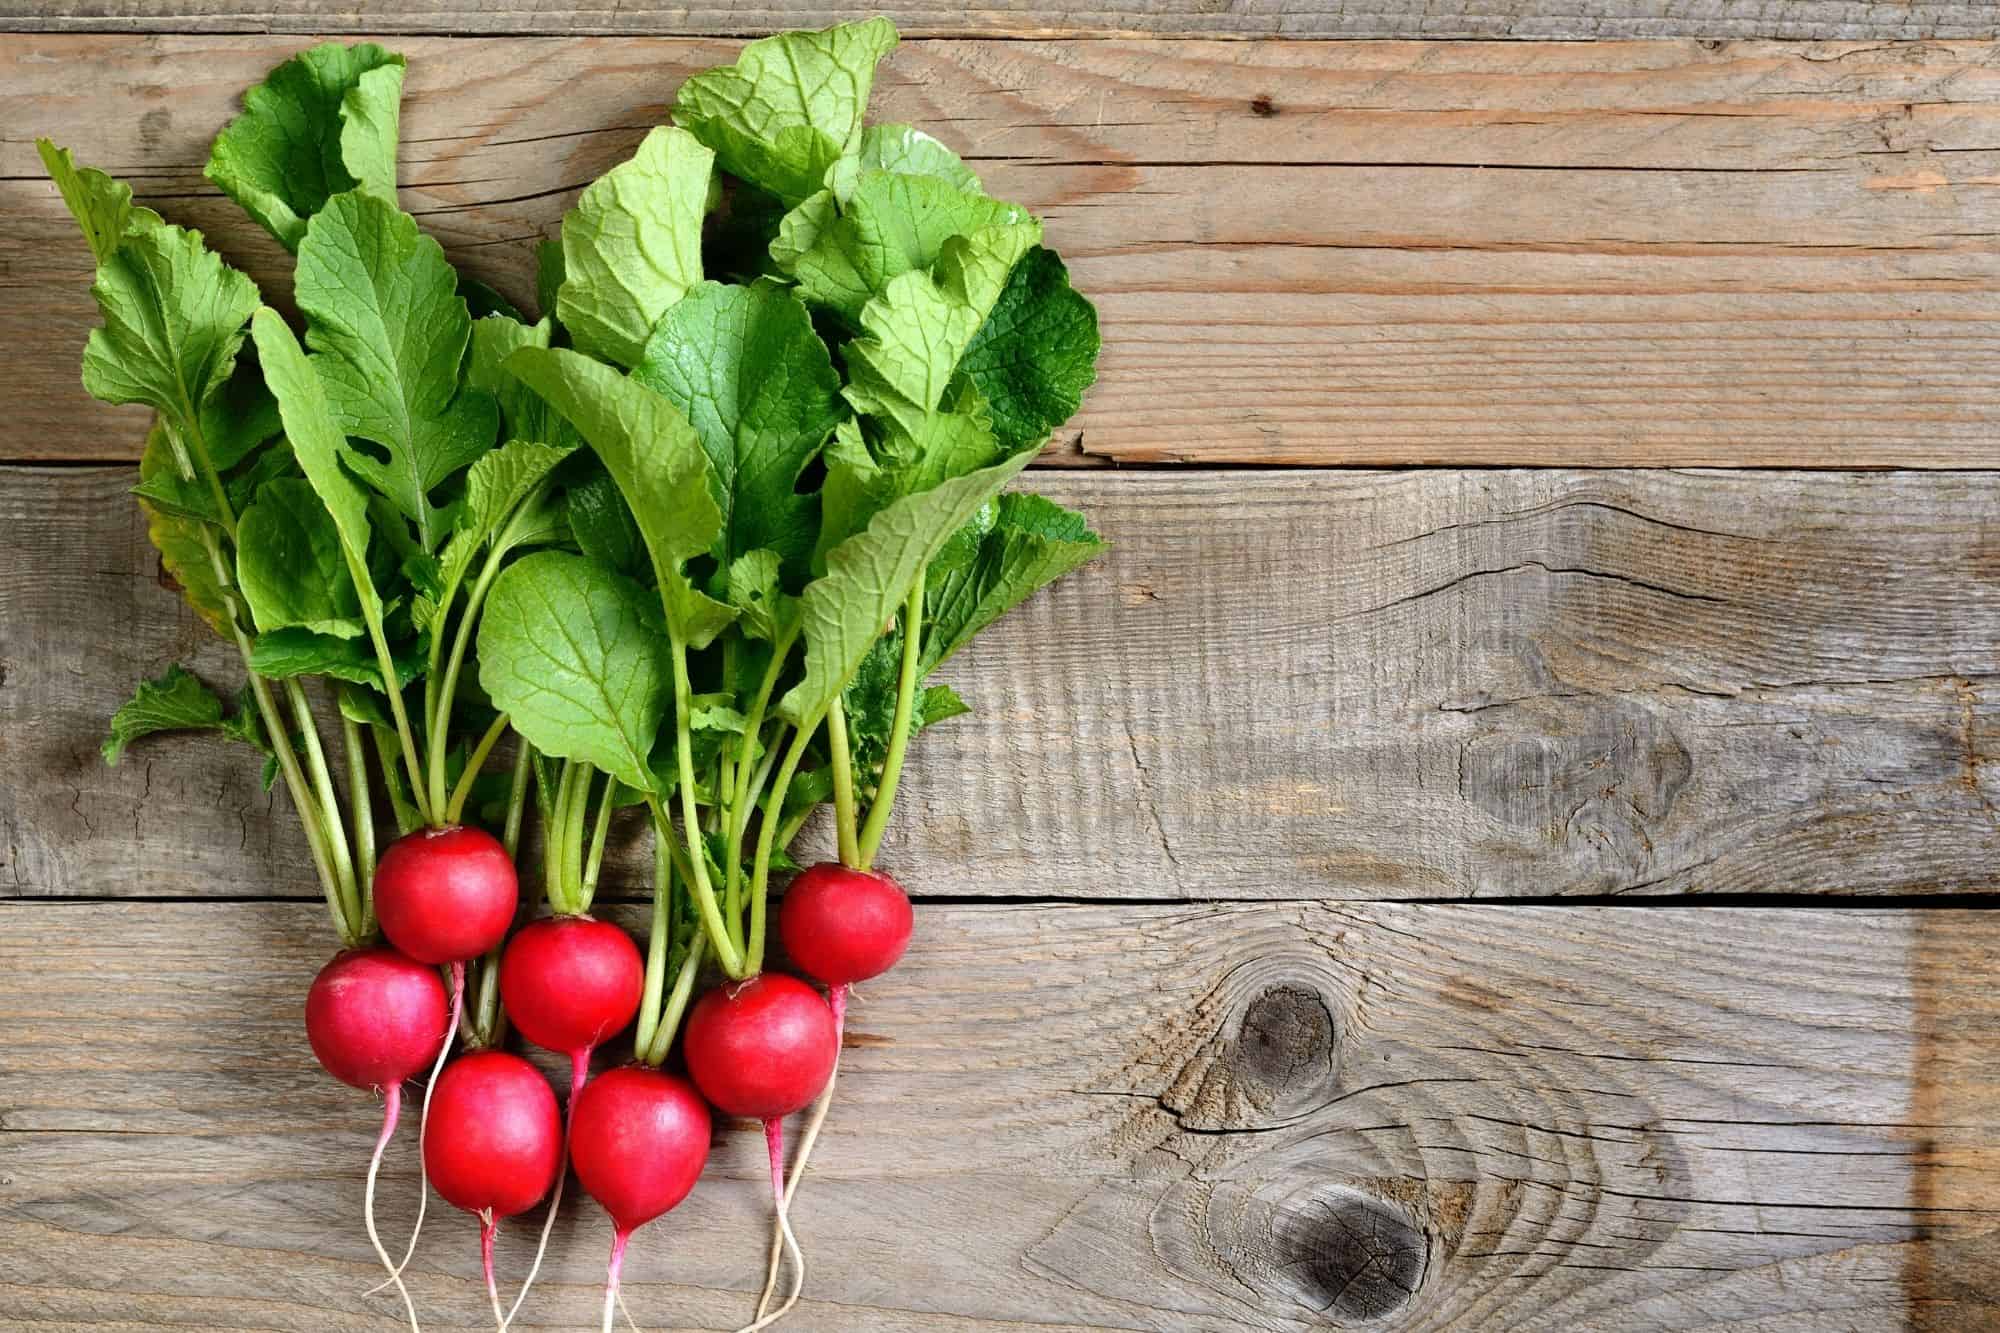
point(842, 760)
point(455, 807)
point(899, 730)
point(392, 1105)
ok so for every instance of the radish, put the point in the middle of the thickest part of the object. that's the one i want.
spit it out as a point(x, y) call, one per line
point(375, 1018)
point(498, 1145)
point(763, 1048)
point(568, 983)
point(843, 925)
point(639, 1139)
point(445, 895)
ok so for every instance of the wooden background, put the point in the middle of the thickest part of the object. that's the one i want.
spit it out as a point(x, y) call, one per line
point(1542, 472)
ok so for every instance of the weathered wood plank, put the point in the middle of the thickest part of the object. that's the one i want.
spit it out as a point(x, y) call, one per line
point(1871, 20)
point(1303, 253)
point(1347, 684)
point(1269, 1117)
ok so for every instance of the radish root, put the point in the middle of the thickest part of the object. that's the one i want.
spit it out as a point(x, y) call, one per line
point(423, 1127)
point(392, 1108)
point(837, 997)
point(611, 1301)
point(579, 1073)
point(487, 1226)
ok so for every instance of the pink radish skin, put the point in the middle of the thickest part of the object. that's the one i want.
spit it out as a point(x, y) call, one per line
point(639, 1139)
point(495, 1143)
point(842, 925)
point(568, 983)
point(571, 982)
point(760, 1048)
point(373, 1019)
point(445, 895)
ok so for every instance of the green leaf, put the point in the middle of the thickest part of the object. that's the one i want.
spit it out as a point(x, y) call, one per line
point(164, 488)
point(176, 701)
point(745, 367)
point(495, 489)
point(791, 105)
point(300, 652)
point(862, 478)
point(763, 608)
point(939, 703)
point(390, 331)
point(869, 575)
point(566, 652)
point(548, 276)
point(658, 462)
point(483, 300)
point(603, 525)
point(1031, 542)
point(905, 150)
point(632, 245)
point(290, 566)
point(915, 333)
point(891, 224)
point(1037, 351)
point(523, 414)
point(102, 206)
point(316, 440)
point(178, 537)
point(324, 122)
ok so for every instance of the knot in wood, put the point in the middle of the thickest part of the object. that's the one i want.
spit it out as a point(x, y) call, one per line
point(1352, 1258)
point(1286, 1042)
point(1262, 105)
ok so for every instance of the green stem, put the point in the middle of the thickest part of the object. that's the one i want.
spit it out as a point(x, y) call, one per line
point(552, 838)
point(761, 874)
point(260, 690)
point(748, 783)
point(460, 794)
point(656, 949)
point(726, 951)
point(371, 612)
point(670, 1019)
point(517, 796)
point(704, 889)
point(361, 807)
point(331, 819)
point(899, 731)
point(575, 809)
point(440, 717)
point(843, 784)
point(598, 837)
point(405, 813)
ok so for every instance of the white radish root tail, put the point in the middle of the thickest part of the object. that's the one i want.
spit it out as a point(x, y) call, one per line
point(774, 1139)
point(579, 1073)
point(423, 1127)
point(837, 997)
point(611, 1270)
point(392, 1107)
point(487, 1226)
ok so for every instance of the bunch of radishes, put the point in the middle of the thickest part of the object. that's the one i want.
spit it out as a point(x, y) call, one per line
point(690, 546)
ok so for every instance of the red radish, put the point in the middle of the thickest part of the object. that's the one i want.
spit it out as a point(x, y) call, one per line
point(570, 982)
point(374, 1018)
point(445, 895)
point(498, 1143)
point(763, 1048)
point(760, 1048)
point(843, 925)
point(639, 1139)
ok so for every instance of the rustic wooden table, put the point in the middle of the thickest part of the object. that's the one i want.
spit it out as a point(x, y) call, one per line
point(1546, 473)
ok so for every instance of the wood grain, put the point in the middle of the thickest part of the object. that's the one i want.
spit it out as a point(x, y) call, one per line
point(1425, 684)
point(1274, 1117)
point(1514, 19)
point(1650, 253)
